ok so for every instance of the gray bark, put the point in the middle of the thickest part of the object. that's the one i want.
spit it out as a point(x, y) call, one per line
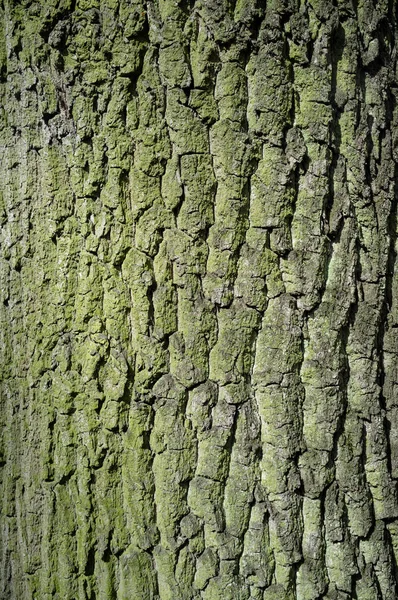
point(198, 300)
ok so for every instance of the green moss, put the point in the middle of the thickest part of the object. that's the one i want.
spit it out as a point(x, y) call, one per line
point(227, 588)
point(172, 64)
point(187, 133)
point(190, 269)
point(137, 578)
point(276, 592)
point(206, 568)
point(231, 357)
point(197, 177)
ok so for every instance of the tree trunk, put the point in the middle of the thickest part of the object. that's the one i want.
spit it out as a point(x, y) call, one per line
point(198, 312)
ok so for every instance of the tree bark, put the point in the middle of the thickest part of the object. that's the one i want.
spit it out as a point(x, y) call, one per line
point(199, 304)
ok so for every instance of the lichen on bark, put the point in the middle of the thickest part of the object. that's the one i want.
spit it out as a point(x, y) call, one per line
point(198, 300)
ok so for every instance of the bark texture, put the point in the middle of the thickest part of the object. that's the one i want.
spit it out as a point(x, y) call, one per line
point(198, 312)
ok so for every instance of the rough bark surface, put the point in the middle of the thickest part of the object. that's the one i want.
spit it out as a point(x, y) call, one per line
point(198, 312)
